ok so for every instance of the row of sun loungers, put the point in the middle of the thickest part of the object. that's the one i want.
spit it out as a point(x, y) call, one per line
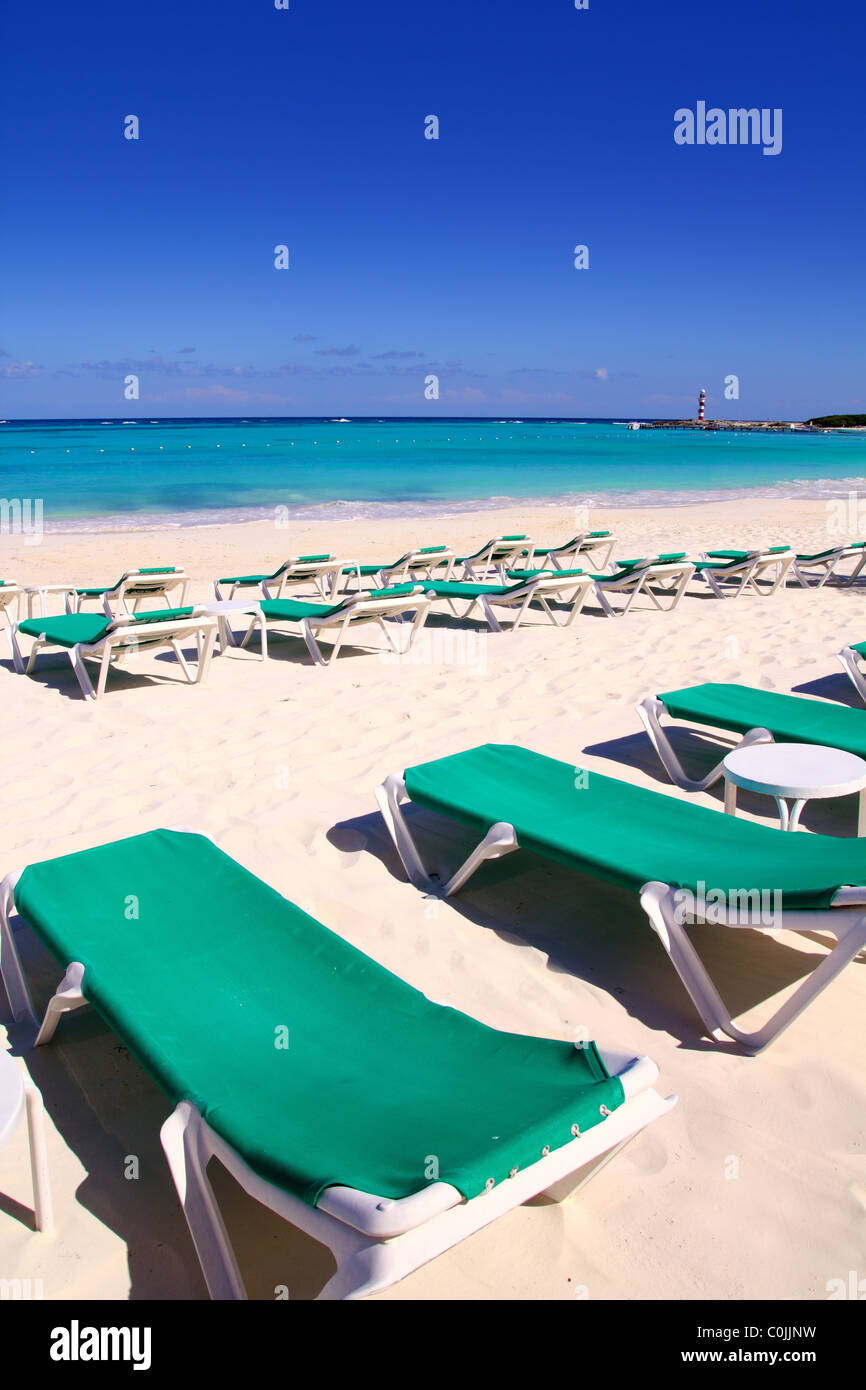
point(501, 1117)
point(500, 581)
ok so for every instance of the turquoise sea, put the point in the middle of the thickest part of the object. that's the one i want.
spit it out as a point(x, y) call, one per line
point(108, 474)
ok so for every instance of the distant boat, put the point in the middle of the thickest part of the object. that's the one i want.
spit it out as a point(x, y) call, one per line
point(634, 425)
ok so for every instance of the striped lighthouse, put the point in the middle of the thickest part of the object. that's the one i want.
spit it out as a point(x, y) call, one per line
point(702, 403)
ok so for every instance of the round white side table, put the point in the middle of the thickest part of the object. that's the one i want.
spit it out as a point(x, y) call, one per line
point(795, 772)
point(18, 1095)
point(221, 610)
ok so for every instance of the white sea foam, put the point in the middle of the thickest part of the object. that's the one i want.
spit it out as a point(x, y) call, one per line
point(362, 509)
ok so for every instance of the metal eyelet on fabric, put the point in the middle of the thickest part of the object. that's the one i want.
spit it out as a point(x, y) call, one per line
point(603, 1110)
point(490, 1183)
point(575, 1129)
point(545, 1151)
point(513, 1173)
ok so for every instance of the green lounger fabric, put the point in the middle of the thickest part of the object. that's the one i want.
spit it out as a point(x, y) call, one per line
point(462, 559)
point(375, 1079)
point(456, 588)
point(257, 578)
point(566, 545)
point(790, 718)
point(293, 610)
point(719, 564)
point(542, 574)
point(669, 559)
point(68, 629)
point(744, 554)
point(97, 590)
point(629, 835)
point(393, 564)
point(859, 647)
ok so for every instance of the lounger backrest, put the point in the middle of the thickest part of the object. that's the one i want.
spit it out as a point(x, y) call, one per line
point(300, 563)
point(141, 627)
point(393, 599)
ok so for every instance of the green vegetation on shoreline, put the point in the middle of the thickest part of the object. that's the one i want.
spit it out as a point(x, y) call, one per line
point(839, 422)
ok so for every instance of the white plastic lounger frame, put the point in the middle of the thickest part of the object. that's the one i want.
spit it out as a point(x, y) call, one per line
point(125, 637)
point(374, 1240)
point(9, 594)
point(19, 1097)
point(415, 566)
point(664, 584)
point(495, 557)
point(292, 573)
point(850, 661)
point(651, 710)
point(813, 571)
point(845, 919)
point(582, 547)
point(365, 607)
point(131, 589)
point(568, 590)
point(730, 580)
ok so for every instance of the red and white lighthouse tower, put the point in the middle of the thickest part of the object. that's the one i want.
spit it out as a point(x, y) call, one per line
point(702, 403)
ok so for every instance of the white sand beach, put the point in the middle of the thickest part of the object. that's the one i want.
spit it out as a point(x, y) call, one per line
point(753, 1186)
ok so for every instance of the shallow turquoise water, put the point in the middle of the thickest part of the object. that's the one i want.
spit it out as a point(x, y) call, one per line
point(91, 474)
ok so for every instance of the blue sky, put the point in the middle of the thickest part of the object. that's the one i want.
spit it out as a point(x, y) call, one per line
point(411, 257)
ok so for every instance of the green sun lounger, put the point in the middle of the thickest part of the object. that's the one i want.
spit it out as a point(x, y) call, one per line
point(426, 562)
point(386, 1126)
point(319, 570)
point(729, 573)
point(493, 557)
point(759, 715)
point(813, 571)
point(124, 596)
point(308, 620)
point(587, 543)
point(566, 588)
point(681, 858)
point(91, 637)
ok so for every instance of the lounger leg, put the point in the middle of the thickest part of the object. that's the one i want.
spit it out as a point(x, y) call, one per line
point(650, 711)
point(66, 997)
point(417, 626)
point(34, 652)
point(492, 621)
point(638, 588)
point(81, 674)
point(42, 1205)
point(389, 795)
point(182, 1141)
point(205, 657)
point(856, 572)
point(500, 840)
point(313, 646)
point(17, 661)
point(658, 902)
point(11, 973)
point(103, 670)
point(181, 659)
point(604, 602)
